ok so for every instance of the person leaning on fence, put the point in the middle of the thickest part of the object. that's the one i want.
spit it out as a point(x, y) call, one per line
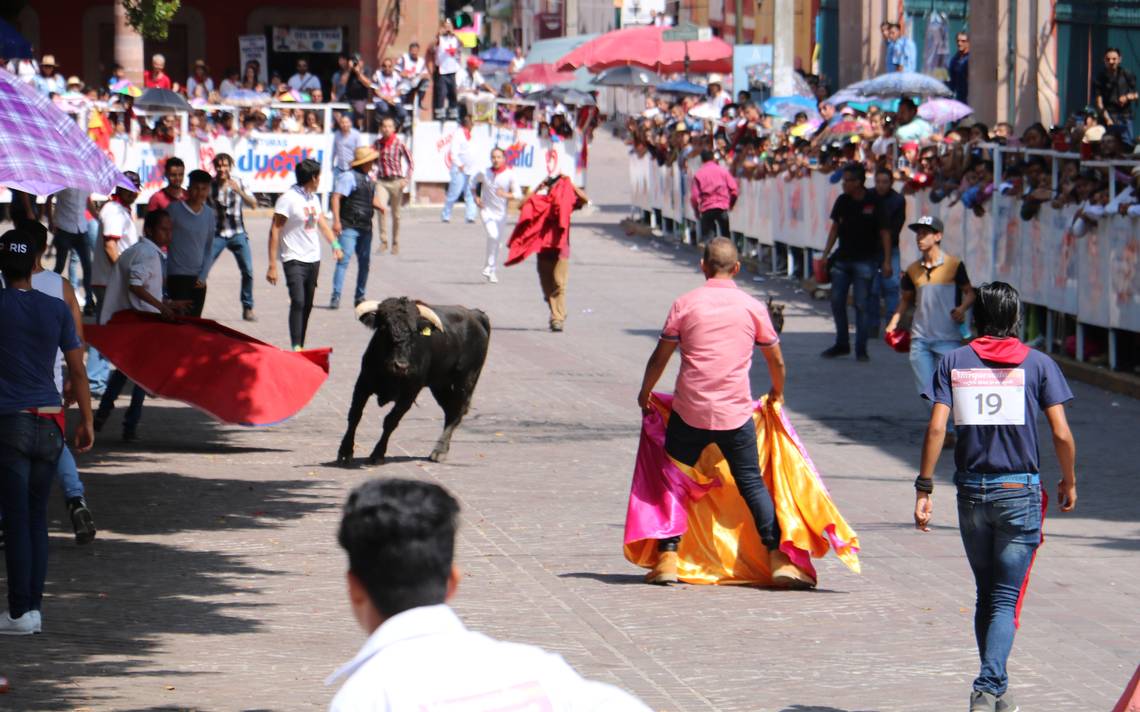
point(295, 239)
point(391, 179)
point(386, 92)
point(354, 200)
point(229, 195)
point(35, 327)
point(713, 194)
point(476, 96)
point(399, 536)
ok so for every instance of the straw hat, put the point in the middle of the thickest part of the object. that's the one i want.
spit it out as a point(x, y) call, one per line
point(73, 81)
point(48, 61)
point(363, 155)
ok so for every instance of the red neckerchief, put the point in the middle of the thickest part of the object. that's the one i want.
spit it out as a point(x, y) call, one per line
point(386, 143)
point(467, 133)
point(497, 171)
point(1008, 350)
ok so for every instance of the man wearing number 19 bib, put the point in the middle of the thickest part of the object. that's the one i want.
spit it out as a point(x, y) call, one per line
point(997, 387)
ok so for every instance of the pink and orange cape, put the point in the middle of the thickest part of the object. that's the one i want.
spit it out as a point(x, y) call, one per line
point(720, 543)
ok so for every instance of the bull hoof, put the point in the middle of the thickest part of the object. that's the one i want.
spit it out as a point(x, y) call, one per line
point(437, 456)
point(344, 459)
point(376, 460)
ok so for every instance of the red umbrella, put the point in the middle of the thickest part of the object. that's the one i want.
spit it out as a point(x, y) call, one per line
point(544, 74)
point(646, 47)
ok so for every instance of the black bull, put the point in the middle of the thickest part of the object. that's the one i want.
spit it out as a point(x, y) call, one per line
point(413, 346)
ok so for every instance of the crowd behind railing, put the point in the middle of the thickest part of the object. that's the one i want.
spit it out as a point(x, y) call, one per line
point(1080, 178)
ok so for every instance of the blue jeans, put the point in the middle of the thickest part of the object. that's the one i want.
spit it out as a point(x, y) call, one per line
point(29, 450)
point(843, 276)
point(98, 368)
point(239, 245)
point(394, 109)
point(460, 185)
point(115, 385)
point(68, 472)
point(925, 355)
point(359, 243)
point(1001, 530)
point(886, 289)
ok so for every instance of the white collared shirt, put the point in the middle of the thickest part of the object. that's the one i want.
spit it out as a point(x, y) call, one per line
point(495, 205)
point(139, 266)
point(425, 660)
point(463, 152)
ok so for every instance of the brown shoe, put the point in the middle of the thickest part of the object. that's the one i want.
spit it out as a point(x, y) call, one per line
point(248, 315)
point(395, 249)
point(382, 248)
point(786, 574)
point(665, 570)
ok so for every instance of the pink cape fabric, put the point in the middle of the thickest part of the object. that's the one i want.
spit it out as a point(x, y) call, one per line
point(225, 373)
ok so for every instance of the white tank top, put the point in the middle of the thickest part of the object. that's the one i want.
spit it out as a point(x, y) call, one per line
point(51, 284)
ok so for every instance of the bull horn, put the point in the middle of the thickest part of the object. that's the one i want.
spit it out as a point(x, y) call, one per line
point(365, 308)
point(427, 313)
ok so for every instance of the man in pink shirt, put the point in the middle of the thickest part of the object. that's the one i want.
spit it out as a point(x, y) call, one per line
point(717, 326)
point(714, 193)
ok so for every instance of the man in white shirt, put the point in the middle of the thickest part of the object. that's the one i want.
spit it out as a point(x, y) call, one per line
point(1127, 201)
point(199, 85)
point(493, 188)
point(445, 54)
point(518, 61)
point(302, 81)
point(413, 74)
point(419, 655)
point(476, 96)
point(67, 220)
point(49, 81)
point(295, 239)
point(464, 166)
point(386, 84)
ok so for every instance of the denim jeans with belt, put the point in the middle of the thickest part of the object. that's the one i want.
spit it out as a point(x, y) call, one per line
point(999, 517)
point(844, 275)
point(29, 451)
point(684, 443)
point(353, 241)
point(238, 243)
point(459, 186)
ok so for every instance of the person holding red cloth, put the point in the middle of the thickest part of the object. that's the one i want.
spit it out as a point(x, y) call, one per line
point(34, 325)
point(714, 194)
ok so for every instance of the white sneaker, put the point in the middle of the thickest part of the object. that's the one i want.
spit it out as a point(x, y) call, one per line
point(493, 278)
point(486, 272)
point(24, 625)
point(39, 618)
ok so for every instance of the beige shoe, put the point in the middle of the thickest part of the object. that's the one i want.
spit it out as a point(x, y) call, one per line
point(786, 574)
point(665, 571)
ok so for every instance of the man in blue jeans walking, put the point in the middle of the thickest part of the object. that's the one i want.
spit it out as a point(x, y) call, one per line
point(997, 387)
point(464, 165)
point(859, 224)
point(229, 195)
point(354, 200)
point(887, 288)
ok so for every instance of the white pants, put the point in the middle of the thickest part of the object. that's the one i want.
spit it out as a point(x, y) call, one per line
point(495, 229)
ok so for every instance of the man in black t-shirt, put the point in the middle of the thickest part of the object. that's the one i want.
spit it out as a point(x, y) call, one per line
point(859, 223)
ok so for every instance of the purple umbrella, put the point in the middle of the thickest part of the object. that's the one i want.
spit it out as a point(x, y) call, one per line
point(943, 111)
point(43, 151)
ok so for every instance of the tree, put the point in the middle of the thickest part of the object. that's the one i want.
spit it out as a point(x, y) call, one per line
point(151, 18)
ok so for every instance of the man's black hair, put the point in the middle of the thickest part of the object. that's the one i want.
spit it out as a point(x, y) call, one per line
point(173, 162)
point(150, 222)
point(200, 176)
point(706, 155)
point(39, 234)
point(1113, 49)
point(223, 157)
point(306, 171)
point(997, 310)
point(400, 540)
point(884, 171)
point(856, 169)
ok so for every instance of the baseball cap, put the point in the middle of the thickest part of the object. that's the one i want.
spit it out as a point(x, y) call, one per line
point(134, 179)
point(926, 222)
point(17, 250)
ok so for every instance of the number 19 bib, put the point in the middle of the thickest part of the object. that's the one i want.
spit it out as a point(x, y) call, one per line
point(988, 396)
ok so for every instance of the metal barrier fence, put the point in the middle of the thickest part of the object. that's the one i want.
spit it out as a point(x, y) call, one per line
point(1093, 278)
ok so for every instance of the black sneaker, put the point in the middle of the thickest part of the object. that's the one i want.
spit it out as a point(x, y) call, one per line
point(130, 435)
point(556, 326)
point(99, 421)
point(862, 358)
point(836, 351)
point(334, 303)
point(81, 520)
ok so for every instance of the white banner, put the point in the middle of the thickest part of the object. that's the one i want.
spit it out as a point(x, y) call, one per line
point(254, 48)
point(532, 158)
point(307, 39)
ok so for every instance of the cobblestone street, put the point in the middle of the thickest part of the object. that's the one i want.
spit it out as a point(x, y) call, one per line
point(216, 582)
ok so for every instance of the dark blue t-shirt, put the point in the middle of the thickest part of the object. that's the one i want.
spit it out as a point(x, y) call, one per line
point(32, 326)
point(996, 413)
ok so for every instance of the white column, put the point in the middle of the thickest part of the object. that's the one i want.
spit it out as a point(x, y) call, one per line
point(128, 46)
point(783, 47)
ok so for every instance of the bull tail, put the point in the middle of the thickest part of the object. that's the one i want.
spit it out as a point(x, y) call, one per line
point(366, 313)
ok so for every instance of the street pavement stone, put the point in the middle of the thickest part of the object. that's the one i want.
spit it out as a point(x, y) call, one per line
point(216, 582)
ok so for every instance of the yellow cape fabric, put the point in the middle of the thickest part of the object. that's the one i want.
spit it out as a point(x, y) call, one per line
point(721, 544)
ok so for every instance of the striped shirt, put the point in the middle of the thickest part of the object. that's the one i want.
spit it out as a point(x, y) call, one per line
point(392, 154)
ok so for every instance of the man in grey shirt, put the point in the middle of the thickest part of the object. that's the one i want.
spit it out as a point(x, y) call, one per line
point(191, 247)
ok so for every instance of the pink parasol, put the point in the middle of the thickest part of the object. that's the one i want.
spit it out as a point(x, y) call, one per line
point(647, 47)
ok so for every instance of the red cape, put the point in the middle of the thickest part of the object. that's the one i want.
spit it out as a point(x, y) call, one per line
point(225, 373)
point(544, 222)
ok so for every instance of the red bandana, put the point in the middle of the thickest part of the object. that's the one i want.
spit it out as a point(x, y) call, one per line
point(497, 171)
point(1007, 350)
point(387, 142)
point(467, 133)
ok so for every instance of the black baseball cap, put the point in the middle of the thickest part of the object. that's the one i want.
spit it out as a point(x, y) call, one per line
point(17, 251)
point(927, 222)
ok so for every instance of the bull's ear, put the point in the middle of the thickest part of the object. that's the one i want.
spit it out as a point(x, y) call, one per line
point(366, 313)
